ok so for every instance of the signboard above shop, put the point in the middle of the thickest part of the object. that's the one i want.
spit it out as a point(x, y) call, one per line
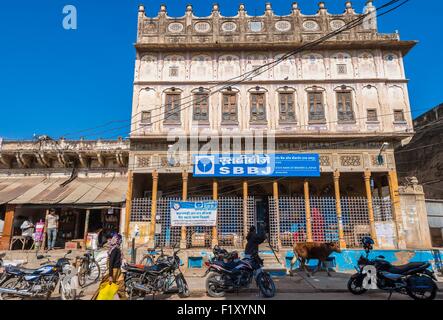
point(256, 165)
point(196, 214)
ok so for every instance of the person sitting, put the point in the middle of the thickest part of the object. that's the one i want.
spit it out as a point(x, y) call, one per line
point(27, 228)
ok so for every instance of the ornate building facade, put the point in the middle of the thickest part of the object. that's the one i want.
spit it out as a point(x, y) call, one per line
point(346, 99)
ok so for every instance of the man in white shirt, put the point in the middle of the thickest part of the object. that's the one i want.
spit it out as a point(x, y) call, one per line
point(27, 228)
point(52, 227)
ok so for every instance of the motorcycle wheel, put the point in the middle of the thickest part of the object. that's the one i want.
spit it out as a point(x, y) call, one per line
point(131, 291)
point(212, 288)
point(355, 286)
point(10, 284)
point(266, 285)
point(183, 288)
point(423, 295)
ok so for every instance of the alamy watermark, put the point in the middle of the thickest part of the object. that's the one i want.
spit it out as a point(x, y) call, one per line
point(70, 17)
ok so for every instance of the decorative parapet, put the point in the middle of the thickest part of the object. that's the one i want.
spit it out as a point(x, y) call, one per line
point(48, 153)
point(243, 28)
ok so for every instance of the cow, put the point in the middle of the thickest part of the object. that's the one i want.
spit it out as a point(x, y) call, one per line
point(305, 251)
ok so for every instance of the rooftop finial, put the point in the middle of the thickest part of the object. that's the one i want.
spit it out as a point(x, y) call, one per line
point(163, 8)
point(241, 7)
point(189, 7)
point(141, 8)
point(268, 7)
point(349, 8)
point(215, 7)
point(295, 7)
point(321, 7)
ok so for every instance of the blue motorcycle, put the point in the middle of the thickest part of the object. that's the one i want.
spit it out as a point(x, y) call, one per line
point(41, 282)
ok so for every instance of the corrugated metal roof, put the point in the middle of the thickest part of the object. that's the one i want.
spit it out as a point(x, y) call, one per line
point(13, 188)
point(49, 191)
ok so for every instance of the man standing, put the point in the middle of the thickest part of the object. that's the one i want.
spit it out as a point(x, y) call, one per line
point(52, 227)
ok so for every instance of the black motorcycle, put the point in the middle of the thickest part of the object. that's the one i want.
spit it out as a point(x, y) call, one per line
point(160, 278)
point(413, 279)
point(41, 282)
point(227, 274)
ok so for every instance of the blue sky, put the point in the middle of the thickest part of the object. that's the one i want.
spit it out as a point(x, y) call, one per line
point(59, 82)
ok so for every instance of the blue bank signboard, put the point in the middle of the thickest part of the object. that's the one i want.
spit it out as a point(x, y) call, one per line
point(256, 165)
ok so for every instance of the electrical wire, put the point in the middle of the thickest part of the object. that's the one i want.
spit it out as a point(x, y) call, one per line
point(253, 72)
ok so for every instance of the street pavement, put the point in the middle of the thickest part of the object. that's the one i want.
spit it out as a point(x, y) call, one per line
point(297, 287)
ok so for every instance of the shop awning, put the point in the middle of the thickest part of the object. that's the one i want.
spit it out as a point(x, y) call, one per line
point(81, 191)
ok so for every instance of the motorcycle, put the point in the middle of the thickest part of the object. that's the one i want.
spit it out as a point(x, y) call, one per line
point(41, 282)
point(234, 274)
point(141, 280)
point(413, 279)
point(2, 270)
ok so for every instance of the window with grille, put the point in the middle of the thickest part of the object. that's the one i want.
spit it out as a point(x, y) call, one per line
point(372, 115)
point(399, 116)
point(258, 107)
point(146, 117)
point(287, 109)
point(173, 72)
point(201, 107)
point(344, 106)
point(341, 69)
point(172, 108)
point(316, 106)
point(229, 108)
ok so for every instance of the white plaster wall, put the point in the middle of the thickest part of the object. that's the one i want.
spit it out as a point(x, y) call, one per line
point(375, 77)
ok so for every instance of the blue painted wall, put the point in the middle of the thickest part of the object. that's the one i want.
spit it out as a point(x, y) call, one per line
point(347, 259)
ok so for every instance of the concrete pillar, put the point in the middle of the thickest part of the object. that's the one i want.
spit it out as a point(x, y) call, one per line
point(214, 197)
point(154, 199)
point(277, 211)
point(129, 204)
point(245, 210)
point(341, 235)
point(308, 212)
point(367, 177)
point(396, 209)
point(183, 242)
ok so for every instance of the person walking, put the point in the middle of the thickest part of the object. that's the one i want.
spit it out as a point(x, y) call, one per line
point(254, 240)
point(115, 275)
point(52, 228)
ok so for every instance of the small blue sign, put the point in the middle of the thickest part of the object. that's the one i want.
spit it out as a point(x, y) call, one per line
point(257, 165)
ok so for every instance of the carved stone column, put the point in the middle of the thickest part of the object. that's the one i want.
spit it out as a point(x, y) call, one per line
point(154, 199)
point(129, 203)
point(367, 176)
point(341, 236)
point(214, 197)
point(308, 211)
point(184, 198)
point(277, 210)
point(245, 210)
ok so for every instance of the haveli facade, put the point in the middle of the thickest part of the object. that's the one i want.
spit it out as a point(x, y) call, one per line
point(346, 100)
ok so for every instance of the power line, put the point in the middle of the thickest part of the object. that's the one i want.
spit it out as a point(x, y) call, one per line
point(253, 73)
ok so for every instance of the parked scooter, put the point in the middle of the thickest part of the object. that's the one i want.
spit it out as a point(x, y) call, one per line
point(42, 282)
point(413, 279)
point(235, 274)
point(141, 280)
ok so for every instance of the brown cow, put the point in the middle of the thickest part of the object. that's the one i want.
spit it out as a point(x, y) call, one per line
point(305, 251)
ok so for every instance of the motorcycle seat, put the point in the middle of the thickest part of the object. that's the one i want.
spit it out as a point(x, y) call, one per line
point(135, 267)
point(17, 270)
point(227, 265)
point(156, 268)
point(409, 267)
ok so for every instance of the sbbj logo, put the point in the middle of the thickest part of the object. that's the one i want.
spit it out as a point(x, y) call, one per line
point(204, 165)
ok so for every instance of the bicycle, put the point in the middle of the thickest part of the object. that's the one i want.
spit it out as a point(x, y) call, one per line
point(89, 270)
